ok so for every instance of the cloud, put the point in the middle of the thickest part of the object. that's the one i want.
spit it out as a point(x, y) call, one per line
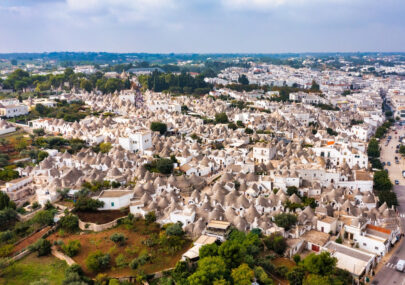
point(263, 5)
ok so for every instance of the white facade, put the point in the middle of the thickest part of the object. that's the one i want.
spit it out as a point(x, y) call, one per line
point(139, 141)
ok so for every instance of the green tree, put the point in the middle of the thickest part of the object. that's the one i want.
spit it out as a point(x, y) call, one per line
point(221, 118)
point(242, 275)
point(158, 127)
point(322, 264)
point(118, 238)
point(402, 149)
point(42, 155)
point(164, 165)
point(5, 201)
point(313, 279)
point(296, 276)
point(248, 131)
point(87, 204)
point(314, 86)
point(69, 223)
point(209, 269)
point(262, 276)
point(285, 220)
point(276, 242)
point(373, 149)
point(381, 181)
point(232, 253)
point(86, 85)
point(98, 261)
point(243, 80)
point(105, 147)
point(44, 217)
point(150, 217)
point(388, 197)
point(42, 247)
point(208, 250)
point(72, 248)
point(174, 230)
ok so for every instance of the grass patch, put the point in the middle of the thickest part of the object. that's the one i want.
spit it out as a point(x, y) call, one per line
point(33, 268)
point(282, 261)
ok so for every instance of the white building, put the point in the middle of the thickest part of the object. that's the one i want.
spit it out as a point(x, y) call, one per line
point(139, 141)
point(115, 199)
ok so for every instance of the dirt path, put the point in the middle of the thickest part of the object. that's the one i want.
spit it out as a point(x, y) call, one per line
point(29, 240)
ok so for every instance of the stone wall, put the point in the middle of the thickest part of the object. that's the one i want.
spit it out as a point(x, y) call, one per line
point(97, 228)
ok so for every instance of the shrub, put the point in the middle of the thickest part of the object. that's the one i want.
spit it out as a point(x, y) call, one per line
point(6, 250)
point(150, 217)
point(87, 204)
point(72, 248)
point(174, 230)
point(158, 127)
point(42, 247)
point(69, 223)
point(276, 242)
point(98, 261)
point(118, 238)
point(121, 261)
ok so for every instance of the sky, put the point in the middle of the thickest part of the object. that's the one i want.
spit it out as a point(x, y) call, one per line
point(202, 26)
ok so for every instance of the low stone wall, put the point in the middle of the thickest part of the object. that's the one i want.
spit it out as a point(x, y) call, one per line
point(62, 256)
point(85, 226)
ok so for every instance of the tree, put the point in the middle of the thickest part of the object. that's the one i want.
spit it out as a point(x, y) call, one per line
point(373, 149)
point(118, 238)
point(313, 279)
point(72, 248)
point(164, 165)
point(402, 150)
point(262, 276)
point(209, 269)
point(39, 132)
point(381, 181)
point(292, 190)
point(388, 197)
point(285, 220)
point(321, 264)
point(42, 247)
point(276, 242)
point(296, 276)
point(105, 147)
point(5, 201)
point(174, 230)
point(248, 131)
point(86, 85)
point(150, 217)
point(221, 118)
point(42, 155)
point(87, 204)
point(158, 127)
point(331, 132)
point(98, 261)
point(242, 275)
point(314, 86)
point(44, 217)
point(208, 250)
point(243, 80)
point(69, 223)
point(8, 217)
point(232, 126)
point(232, 253)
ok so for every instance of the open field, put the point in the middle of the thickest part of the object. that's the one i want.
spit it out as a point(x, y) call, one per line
point(133, 247)
point(27, 270)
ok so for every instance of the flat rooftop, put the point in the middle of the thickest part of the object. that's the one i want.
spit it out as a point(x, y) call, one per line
point(114, 193)
point(219, 224)
point(315, 237)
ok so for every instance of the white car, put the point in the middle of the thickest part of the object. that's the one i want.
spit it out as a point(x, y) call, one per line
point(400, 265)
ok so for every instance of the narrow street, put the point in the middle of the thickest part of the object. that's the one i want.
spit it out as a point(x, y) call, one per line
point(388, 275)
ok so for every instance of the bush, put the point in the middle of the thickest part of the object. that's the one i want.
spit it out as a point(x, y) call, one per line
point(221, 118)
point(285, 220)
point(42, 247)
point(248, 131)
point(87, 204)
point(121, 261)
point(158, 127)
point(297, 258)
point(69, 223)
point(6, 250)
point(72, 248)
point(276, 242)
point(174, 230)
point(98, 261)
point(150, 217)
point(118, 238)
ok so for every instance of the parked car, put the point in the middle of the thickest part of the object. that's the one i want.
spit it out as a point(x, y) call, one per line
point(389, 163)
point(396, 182)
point(403, 173)
point(400, 265)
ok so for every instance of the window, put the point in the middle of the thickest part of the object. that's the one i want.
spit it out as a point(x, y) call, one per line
point(364, 244)
point(376, 247)
point(112, 204)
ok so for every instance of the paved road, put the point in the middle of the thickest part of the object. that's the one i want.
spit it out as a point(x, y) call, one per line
point(388, 275)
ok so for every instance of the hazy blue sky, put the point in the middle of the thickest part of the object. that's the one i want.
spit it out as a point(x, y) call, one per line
point(202, 25)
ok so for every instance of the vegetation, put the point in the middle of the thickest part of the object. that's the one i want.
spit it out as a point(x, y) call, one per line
point(42, 247)
point(285, 220)
point(158, 127)
point(183, 83)
point(276, 242)
point(160, 165)
point(373, 149)
point(72, 248)
point(221, 118)
point(98, 261)
point(87, 204)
